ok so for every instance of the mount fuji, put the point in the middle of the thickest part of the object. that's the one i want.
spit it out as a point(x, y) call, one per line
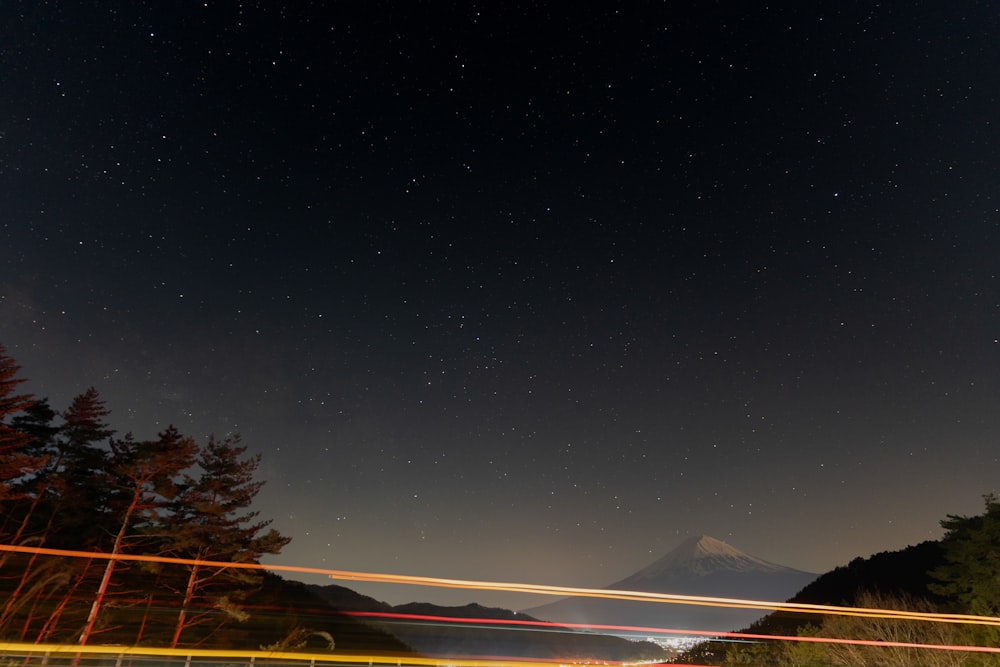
point(700, 565)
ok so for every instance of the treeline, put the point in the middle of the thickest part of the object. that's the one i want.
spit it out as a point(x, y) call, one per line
point(959, 574)
point(68, 481)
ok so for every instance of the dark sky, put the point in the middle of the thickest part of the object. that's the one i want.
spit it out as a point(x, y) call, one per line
point(524, 292)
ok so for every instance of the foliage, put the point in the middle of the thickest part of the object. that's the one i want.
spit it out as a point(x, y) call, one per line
point(970, 577)
point(213, 523)
point(67, 483)
point(14, 442)
point(142, 478)
point(875, 641)
point(882, 630)
point(899, 574)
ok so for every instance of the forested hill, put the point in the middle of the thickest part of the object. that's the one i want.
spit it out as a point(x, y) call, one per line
point(896, 574)
point(904, 572)
point(96, 501)
point(956, 575)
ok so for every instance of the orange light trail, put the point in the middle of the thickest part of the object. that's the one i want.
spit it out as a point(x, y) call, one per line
point(538, 589)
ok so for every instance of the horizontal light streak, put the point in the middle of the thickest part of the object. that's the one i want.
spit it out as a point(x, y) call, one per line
point(538, 589)
point(22, 649)
point(711, 634)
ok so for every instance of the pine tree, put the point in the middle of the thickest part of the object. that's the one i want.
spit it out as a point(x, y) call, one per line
point(78, 473)
point(62, 507)
point(37, 422)
point(19, 462)
point(70, 508)
point(971, 574)
point(30, 494)
point(143, 476)
point(13, 459)
point(213, 523)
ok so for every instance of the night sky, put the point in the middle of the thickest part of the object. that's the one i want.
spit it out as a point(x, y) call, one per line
point(523, 292)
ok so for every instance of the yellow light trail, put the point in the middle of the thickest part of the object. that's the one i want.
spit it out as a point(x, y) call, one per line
point(22, 649)
point(539, 589)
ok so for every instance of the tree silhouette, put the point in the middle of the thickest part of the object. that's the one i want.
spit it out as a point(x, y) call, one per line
point(212, 523)
point(143, 476)
point(67, 483)
point(14, 460)
point(78, 474)
point(885, 630)
point(970, 576)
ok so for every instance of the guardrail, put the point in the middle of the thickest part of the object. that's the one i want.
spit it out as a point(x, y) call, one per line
point(59, 655)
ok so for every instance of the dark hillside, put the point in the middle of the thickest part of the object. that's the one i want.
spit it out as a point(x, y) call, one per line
point(895, 573)
point(890, 572)
point(289, 615)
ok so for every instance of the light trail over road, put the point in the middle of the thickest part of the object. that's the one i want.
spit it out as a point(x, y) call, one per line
point(539, 589)
point(43, 653)
point(652, 631)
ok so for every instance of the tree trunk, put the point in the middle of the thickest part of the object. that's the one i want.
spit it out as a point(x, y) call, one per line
point(188, 596)
point(52, 622)
point(102, 590)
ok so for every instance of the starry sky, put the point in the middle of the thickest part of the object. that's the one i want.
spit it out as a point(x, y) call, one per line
point(519, 291)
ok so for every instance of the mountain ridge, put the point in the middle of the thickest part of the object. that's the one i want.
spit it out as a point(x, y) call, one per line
point(488, 638)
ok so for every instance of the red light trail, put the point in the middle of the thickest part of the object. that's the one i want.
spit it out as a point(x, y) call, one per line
point(571, 591)
point(653, 630)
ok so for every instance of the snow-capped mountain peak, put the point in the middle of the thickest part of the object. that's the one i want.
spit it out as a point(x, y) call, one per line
point(702, 555)
point(700, 565)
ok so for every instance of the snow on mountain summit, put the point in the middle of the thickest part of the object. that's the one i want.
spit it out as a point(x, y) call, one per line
point(703, 555)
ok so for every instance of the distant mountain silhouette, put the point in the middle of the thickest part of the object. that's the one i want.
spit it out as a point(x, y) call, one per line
point(346, 599)
point(700, 565)
point(434, 638)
